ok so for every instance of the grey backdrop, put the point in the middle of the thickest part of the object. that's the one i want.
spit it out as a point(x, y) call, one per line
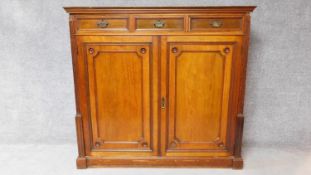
point(36, 81)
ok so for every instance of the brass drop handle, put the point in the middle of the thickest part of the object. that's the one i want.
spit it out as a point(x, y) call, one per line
point(216, 24)
point(159, 24)
point(102, 24)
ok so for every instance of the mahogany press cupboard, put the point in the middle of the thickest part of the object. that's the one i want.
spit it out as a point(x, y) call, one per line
point(159, 86)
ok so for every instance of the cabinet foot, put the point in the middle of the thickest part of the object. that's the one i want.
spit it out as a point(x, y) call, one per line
point(81, 163)
point(237, 163)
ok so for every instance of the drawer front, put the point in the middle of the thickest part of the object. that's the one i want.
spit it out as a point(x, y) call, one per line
point(103, 24)
point(176, 24)
point(215, 24)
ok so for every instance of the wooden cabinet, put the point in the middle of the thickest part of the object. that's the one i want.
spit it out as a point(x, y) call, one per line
point(159, 86)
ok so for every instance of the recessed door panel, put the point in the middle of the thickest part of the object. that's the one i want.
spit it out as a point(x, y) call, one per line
point(199, 87)
point(120, 96)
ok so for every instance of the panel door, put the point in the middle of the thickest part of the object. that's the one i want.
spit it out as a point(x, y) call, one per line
point(120, 97)
point(198, 76)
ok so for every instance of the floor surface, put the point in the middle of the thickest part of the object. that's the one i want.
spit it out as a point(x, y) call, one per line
point(60, 160)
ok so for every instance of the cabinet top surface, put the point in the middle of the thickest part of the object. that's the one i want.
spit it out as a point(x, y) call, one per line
point(175, 9)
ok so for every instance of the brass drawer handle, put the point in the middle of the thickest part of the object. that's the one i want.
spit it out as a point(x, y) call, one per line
point(216, 24)
point(159, 24)
point(102, 24)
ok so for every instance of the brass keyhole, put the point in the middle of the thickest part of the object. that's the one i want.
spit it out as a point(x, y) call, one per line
point(163, 103)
